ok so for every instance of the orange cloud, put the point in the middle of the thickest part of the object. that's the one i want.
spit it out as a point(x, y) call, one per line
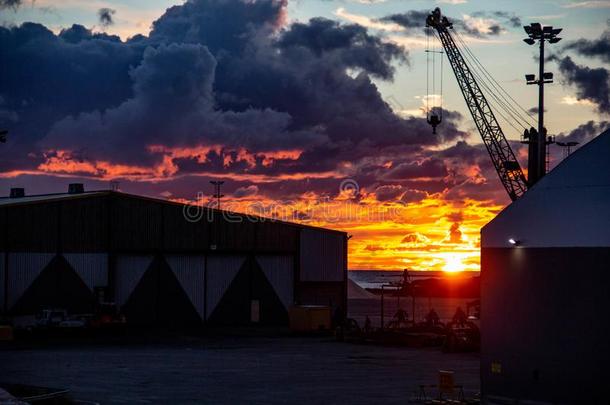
point(431, 232)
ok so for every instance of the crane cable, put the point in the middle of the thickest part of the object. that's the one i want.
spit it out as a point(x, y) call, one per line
point(493, 92)
point(499, 106)
point(430, 110)
point(441, 96)
point(427, 72)
point(526, 112)
point(498, 87)
point(498, 109)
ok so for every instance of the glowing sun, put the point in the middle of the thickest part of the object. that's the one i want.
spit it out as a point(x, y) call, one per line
point(453, 264)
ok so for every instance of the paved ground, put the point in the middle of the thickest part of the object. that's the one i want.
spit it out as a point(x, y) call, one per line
point(258, 370)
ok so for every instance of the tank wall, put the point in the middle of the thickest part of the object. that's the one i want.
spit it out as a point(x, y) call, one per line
point(544, 323)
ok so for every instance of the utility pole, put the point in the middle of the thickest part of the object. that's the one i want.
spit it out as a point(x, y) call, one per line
point(217, 194)
point(539, 141)
point(216, 223)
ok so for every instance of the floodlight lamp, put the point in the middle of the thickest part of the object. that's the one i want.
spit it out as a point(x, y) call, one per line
point(547, 76)
point(529, 41)
point(528, 29)
point(530, 78)
point(554, 40)
point(547, 30)
point(536, 28)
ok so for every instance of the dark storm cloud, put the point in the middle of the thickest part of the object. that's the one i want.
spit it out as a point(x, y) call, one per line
point(581, 134)
point(388, 192)
point(599, 48)
point(14, 4)
point(409, 20)
point(106, 16)
point(591, 83)
point(158, 93)
point(427, 168)
point(584, 132)
point(351, 45)
point(255, 84)
point(219, 24)
point(247, 191)
point(534, 110)
point(46, 77)
point(464, 152)
point(78, 33)
point(509, 19)
point(502, 18)
point(455, 233)
point(471, 172)
point(413, 196)
point(416, 19)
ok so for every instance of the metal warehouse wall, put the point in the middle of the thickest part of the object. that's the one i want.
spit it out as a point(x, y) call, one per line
point(544, 322)
point(323, 269)
point(139, 224)
point(144, 254)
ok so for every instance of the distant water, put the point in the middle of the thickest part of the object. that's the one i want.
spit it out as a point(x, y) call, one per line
point(376, 278)
point(360, 309)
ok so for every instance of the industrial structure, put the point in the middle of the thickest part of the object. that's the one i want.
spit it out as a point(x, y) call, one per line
point(162, 263)
point(545, 259)
point(545, 277)
point(472, 78)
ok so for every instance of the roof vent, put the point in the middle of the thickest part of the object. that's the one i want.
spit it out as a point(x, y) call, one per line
point(76, 188)
point(17, 192)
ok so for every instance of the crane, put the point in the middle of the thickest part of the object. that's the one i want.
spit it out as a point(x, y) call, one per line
point(495, 141)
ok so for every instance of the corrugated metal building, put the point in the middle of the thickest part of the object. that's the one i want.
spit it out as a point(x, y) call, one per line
point(74, 250)
point(545, 287)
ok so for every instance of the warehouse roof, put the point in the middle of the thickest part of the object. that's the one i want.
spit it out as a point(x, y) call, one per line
point(47, 197)
point(44, 198)
point(567, 208)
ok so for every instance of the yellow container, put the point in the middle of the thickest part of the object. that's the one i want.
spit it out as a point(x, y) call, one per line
point(310, 318)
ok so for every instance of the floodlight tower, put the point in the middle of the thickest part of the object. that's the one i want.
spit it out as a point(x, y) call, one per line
point(536, 32)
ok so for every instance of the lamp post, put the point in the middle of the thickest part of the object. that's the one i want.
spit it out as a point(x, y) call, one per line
point(536, 32)
point(217, 195)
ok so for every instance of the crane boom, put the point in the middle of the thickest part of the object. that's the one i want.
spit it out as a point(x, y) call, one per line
point(501, 154)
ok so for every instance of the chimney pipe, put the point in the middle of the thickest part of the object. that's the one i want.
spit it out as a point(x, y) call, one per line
point(76, 188)
point(17, 192)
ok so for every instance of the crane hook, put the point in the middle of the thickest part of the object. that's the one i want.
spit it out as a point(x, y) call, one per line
point(434, 120)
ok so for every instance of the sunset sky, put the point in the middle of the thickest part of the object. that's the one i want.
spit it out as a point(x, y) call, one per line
point(310, 110)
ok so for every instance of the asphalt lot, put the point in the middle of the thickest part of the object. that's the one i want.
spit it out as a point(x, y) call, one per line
point(254, 370)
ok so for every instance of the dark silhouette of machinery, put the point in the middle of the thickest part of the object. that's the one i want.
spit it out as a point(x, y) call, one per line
point(471, 79)
point(567, 147)
point(434, 120)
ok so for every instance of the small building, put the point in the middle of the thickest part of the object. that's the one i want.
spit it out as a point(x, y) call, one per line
point(160, 262)
point(545, 287)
